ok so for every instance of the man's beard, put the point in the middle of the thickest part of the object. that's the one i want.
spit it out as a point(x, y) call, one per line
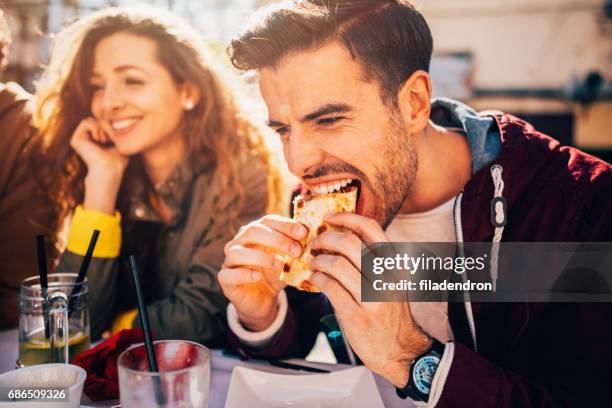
point(395, 178)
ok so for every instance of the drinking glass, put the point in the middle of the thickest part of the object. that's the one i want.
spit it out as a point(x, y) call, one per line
point(182, 381)
point(48, 331)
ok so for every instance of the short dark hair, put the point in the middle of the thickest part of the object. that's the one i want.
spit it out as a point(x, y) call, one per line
point(389, 38)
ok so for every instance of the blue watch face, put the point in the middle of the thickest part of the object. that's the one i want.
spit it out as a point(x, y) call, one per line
point(424, 370)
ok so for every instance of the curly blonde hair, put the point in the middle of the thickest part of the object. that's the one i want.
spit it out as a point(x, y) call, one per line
point(217, 129)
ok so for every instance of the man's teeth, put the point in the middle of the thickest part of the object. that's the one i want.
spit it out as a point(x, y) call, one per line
point(328, 188)
point(123, 123)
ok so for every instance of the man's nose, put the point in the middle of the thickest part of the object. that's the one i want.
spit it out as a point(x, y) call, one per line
point(302, 154)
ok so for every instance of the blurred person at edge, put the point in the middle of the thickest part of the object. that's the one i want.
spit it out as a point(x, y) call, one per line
point(24, 209)
point(145, 140)
point(345, 79)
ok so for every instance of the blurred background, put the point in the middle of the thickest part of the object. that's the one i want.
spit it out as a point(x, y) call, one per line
point(548, 61)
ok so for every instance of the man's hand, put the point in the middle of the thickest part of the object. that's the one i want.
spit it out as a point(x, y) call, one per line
point(383, 334)
point(253, 264)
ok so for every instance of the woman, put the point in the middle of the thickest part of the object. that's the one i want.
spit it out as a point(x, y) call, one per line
point(149, 147)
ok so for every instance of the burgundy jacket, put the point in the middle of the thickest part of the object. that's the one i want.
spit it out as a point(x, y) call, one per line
point(529, 354)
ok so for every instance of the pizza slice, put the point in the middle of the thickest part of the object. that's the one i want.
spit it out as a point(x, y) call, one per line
point(311, 211)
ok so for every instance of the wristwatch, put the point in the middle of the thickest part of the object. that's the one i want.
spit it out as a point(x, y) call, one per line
point(422, 372)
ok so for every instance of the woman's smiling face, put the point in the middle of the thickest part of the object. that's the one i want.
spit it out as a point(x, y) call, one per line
point(134, 97)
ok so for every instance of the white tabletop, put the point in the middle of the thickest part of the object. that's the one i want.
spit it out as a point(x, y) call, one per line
point(222, 367)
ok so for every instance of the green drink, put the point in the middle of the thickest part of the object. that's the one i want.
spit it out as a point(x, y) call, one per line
point(36, 350)
point(53, 322)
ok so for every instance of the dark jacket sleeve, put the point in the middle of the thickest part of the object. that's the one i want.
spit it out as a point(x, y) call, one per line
point(567, 348)
point(299, 330)
point(196, 307)
point(101, 288)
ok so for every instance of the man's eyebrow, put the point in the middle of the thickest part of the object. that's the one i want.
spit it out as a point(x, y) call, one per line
point(275, 123)
point(326, 110)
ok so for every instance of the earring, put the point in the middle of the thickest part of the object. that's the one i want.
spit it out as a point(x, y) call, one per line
point(189, 104)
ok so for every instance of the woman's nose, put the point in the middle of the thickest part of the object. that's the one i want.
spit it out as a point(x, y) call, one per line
point(112, 100)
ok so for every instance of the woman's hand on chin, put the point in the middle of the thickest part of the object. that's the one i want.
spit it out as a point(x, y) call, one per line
point(105, 165)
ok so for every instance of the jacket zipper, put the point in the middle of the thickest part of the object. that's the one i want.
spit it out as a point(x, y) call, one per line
point(458, 242)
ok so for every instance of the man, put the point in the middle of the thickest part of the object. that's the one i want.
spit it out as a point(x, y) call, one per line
point(347, 90)
point(24, 211)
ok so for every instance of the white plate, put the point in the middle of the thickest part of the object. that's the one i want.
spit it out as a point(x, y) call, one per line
point(354, 387)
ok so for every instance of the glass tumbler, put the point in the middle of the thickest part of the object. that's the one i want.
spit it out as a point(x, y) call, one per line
point(182, 381)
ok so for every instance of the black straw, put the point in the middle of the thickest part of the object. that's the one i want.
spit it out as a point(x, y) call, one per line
point(42, 261)
point(83, 270)
point(144, 318)
point(42, 273)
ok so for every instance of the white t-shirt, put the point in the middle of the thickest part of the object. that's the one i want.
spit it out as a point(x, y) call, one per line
point(435, 225)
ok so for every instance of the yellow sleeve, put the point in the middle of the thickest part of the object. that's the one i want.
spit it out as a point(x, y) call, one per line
point(124, 321)
point(84, 222)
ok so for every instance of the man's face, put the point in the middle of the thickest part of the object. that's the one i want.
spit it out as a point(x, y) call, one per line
point(334, 126)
